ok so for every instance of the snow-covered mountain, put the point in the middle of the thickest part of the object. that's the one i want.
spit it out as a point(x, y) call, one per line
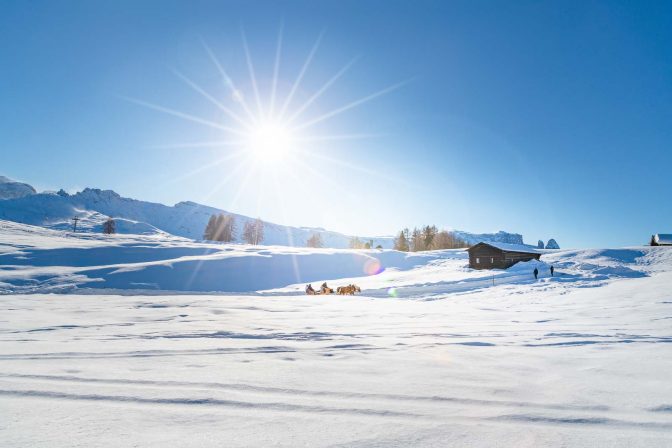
point(21, 203)
point(187, 219)
point(11, 189)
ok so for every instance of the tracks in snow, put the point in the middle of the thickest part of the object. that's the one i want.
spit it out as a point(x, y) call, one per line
point(220, 396)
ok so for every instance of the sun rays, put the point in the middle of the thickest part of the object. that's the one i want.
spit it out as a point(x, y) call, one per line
point(272, 134)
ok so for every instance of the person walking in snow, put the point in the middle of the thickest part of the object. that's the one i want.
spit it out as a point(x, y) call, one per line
point(552, 269)
point(536, 273)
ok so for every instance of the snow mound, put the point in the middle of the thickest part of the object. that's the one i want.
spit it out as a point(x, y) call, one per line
point(11, 189)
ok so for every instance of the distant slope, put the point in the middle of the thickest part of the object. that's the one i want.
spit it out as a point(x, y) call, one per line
point(10, 189)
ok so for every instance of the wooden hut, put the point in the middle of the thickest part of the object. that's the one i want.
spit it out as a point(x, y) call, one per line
point(492, 255)
point(661, 239)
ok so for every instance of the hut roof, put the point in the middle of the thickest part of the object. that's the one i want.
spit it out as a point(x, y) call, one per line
point(663, 238)
point(522, 248)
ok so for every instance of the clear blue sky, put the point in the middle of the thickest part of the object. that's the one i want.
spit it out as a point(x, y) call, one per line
point(551, 119)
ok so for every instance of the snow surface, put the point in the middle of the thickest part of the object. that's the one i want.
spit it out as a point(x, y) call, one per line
point(431, 353)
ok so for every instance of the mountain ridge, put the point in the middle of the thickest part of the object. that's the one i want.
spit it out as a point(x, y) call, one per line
point(186, 218)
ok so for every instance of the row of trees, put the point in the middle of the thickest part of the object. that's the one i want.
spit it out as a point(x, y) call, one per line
point(427, 238)
point(223, 228)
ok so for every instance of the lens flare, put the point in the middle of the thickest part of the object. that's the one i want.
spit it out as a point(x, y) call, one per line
point(392, 292)
point(373, 267)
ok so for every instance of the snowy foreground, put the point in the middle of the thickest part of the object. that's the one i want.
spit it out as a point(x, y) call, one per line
point(431, 353)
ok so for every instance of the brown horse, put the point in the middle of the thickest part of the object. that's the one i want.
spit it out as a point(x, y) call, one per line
point(349, 290)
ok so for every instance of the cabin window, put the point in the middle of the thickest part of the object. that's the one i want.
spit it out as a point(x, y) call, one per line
point(492, 260)
point(478, 260)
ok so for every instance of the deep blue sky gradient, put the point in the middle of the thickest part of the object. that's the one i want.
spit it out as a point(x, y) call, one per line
point(552, 119)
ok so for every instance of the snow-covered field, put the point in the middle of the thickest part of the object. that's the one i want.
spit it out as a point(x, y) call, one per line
point(430, 354)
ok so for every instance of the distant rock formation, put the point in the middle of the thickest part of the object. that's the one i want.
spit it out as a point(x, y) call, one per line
point(552, 244)
point(11, 189)
point(540, 244)
point(499, 237)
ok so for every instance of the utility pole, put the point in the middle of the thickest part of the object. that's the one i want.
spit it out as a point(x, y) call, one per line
point(74, 224)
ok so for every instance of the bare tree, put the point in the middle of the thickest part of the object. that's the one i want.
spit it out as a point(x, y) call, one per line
point(315, 240)
point(209, 233)
point(220, 227)
point(253, 231)
point(417, 242)
point(356, 243)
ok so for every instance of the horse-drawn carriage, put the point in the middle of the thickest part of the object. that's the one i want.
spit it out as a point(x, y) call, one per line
point(325, 290)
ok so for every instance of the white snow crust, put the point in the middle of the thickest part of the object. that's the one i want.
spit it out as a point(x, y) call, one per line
point(155, 340)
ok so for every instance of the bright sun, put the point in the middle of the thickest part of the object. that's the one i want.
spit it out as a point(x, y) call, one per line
point(271, 142)
point(270, 132)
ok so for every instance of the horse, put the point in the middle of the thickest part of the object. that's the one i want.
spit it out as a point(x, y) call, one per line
point(343, 290)
point(349, 290)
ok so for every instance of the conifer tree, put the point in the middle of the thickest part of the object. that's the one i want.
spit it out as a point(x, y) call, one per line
point(109, 226)
point(401, 242)
point(428, 235)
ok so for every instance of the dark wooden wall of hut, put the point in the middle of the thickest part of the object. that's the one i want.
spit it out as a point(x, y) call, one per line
point(483, 256)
